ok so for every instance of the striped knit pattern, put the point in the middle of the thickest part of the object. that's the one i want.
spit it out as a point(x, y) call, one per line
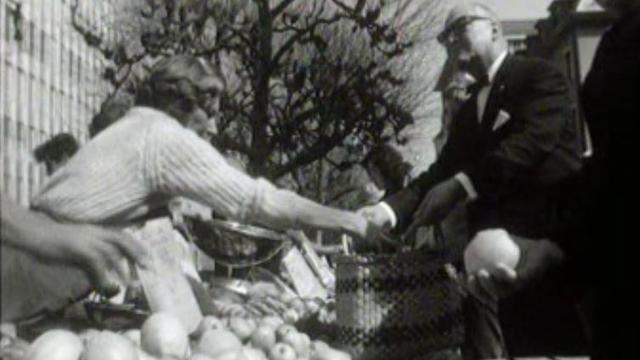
point(141, 162)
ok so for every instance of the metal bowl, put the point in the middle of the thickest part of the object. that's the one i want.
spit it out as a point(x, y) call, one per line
point(234, 244)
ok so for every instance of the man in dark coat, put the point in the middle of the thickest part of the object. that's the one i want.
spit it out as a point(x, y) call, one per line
point(512, 151)
point(611, 104)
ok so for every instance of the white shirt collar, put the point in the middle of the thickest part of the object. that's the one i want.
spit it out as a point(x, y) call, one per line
point(493, 70)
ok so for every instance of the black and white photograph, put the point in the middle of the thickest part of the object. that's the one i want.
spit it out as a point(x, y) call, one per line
point(319, 179)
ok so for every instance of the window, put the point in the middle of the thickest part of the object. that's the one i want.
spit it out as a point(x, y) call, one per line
point(8, 23)
point(71, 58)
point(32, 36)
point(43, 46)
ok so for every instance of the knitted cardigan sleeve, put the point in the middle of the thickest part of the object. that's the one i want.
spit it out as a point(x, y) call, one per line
point(179, 163)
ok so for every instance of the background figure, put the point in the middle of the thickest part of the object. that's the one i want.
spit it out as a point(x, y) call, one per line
point(151, 156)
point(605, 239)
point(387, 169)
point(56, 151)
point(512, 152)
point(110, 111)
point(454, 86)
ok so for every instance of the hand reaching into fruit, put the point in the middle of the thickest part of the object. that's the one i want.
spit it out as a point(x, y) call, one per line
point(95, 250)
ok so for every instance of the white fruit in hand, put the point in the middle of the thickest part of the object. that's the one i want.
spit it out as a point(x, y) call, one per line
point(164, 335)
point(55, 345)
point(490, 248)
point(282, 351)
point(108, 345)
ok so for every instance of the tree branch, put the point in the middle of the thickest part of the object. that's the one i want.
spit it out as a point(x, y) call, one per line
point(278, 9)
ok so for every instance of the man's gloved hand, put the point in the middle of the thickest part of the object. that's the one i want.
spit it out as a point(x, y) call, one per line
point(437, 204)
point(537, 257)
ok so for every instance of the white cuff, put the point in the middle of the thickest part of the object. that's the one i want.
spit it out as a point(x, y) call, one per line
point(392, 215)
point(466, 183)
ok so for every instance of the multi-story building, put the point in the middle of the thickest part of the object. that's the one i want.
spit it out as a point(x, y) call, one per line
point(50, 82)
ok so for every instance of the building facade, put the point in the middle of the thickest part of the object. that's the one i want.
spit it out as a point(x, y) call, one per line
point(516, 33)
point(50, 82)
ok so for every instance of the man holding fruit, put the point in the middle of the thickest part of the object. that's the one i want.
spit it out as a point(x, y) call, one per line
point(512, 151)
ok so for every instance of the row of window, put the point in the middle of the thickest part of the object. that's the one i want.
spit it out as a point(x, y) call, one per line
point(49, 83)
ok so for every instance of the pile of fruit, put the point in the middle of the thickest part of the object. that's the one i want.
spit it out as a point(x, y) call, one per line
point(266, 299)
point(163, 337)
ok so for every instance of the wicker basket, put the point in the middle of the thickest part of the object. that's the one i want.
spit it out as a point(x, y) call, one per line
point(401, 306)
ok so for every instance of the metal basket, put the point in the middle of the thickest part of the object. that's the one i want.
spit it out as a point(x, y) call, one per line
point(400, 306)
point(236, 245)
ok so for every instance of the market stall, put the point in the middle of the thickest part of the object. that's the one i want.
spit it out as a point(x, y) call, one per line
point(262, 295)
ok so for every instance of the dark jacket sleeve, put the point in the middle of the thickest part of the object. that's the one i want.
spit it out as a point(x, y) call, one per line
point(543, 111)
point(405, 202)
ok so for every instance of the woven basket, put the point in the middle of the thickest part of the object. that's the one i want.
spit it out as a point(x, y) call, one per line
point(401, 306)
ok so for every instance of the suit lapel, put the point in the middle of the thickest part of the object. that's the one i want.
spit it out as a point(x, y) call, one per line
point(498, 87)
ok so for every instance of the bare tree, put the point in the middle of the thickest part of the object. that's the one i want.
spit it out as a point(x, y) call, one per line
point(305, 77)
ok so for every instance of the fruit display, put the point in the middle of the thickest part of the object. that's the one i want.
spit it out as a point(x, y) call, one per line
point(162, 337)
point(265, 299)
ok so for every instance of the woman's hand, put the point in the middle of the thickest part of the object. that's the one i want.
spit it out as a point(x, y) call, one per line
point(98, 251)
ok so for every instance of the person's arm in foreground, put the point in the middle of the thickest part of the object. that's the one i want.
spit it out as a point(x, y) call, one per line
point(94, 250)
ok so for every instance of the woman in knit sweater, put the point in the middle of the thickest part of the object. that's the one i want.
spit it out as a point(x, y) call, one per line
point(151, 156)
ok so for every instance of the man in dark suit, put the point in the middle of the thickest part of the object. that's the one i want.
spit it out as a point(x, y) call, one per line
point(512, 152)
point(611, 103)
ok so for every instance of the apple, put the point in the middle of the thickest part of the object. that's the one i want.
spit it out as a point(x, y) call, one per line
point(282, 351)
point(321, 351)
point(241, 327)
point(264, 337)
point(134, 335)
point(312, 305)
point(291, 316)
point(208, 322)
point(273, 321)
point(88, 334)
point(214, 343)
point(286, 296)
point(163, 334)
point(248, 353)
point(298, 305)
point(283, 329)
point(299, 343)
point(199, 356)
